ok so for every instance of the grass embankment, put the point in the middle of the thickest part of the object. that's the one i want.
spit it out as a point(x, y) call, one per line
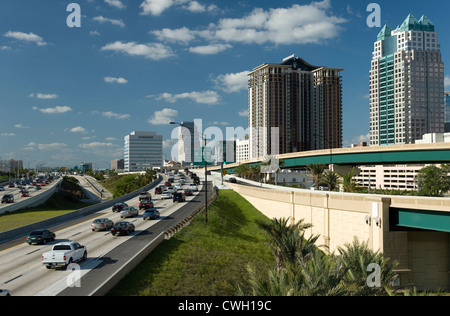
point(59, 204)
point(204, 259)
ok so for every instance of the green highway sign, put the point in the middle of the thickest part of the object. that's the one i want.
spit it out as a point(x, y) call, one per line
point(199, 159)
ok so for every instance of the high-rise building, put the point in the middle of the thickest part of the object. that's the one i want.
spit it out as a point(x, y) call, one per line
point(406, 83)
point(117, 164)
point(188, 141)
point(294, 106)
point(143, 150)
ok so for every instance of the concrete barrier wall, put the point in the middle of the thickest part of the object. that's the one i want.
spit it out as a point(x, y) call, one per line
point(112, 281)
point(33, 201)
point(4, 236)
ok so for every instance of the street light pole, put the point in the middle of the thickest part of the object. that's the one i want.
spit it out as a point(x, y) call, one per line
point(206, 166)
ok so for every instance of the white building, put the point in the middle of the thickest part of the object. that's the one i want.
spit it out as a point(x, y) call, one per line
point(434, 138)
point(242, 150)
point(406, 83)
point(143, 150)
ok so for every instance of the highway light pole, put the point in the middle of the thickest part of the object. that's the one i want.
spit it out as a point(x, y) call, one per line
point(206, 164)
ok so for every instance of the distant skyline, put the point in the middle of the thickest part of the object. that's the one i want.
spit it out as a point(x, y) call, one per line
point(71, 94)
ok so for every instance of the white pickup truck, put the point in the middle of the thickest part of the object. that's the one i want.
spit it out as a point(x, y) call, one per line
point(63, 254)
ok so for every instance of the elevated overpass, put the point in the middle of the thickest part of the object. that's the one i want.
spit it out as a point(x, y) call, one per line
point(373, 155)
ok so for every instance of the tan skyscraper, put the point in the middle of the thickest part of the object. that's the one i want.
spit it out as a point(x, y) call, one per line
point(294, 106)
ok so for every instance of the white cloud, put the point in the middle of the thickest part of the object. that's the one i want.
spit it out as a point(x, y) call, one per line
point(94, 33)
point(116, 116)
point(116, 3)
point(233, 82)
point(163, 117)
point(183, 35)
point(210, 49)
point(78, 129)
point(102, 20)
point(21, 126)
point(45, 96)
point(115, 80)
point(204, 97)
point(8, 134)
point(4, 47)
point(298, 24)
point(196, 7)
point(155, 7)
point(447, 81)
point(51, 146)
point(26, 37)
point(154, 51)
point(96, 145)
point(243, 113)
point(55, 110)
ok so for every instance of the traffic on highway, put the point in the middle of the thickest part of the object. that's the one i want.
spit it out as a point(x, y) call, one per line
point(14, 191)
point(43, 268)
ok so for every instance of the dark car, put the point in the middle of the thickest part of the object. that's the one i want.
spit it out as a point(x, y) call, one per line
point(158, 190)
point(145, 204)
point(40, 237)
point(122, 228)
point(179, 197)
point(25, 194)
point(188, 192)
point(232, 180)
point(151, 213)
point(167, 183)
point(8, 198)
point(119, 207)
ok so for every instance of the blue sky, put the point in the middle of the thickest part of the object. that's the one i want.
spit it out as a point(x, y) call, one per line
point(70, 95)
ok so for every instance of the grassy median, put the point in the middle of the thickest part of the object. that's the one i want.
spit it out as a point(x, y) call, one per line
point(204, 259)
point(57, 205)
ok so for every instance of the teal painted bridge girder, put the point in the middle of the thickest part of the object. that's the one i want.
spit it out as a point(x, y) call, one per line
point(396, 154)
point(428, 156)
point(420, 219)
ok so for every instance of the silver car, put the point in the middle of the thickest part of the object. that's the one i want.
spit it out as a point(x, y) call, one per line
point(129, 211)
point(102, 224)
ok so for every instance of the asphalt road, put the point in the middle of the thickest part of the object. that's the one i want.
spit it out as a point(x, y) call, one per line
point(22, 272)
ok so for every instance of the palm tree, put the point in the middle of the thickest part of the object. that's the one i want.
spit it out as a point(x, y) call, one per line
point(357, 257)
point(254, 172)
point(323, 275)
point(331, 178)
point(347, 180)
point(288, 242)
point(316, 171)
point(242, 171)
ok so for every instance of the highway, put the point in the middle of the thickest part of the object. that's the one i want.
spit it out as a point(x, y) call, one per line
point(21, 270)
point(17, 194)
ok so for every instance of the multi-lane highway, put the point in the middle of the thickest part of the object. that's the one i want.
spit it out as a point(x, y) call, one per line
point(21, 270)
point(17, 192)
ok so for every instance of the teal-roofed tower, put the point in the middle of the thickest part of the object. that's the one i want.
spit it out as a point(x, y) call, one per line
point(406, 83)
